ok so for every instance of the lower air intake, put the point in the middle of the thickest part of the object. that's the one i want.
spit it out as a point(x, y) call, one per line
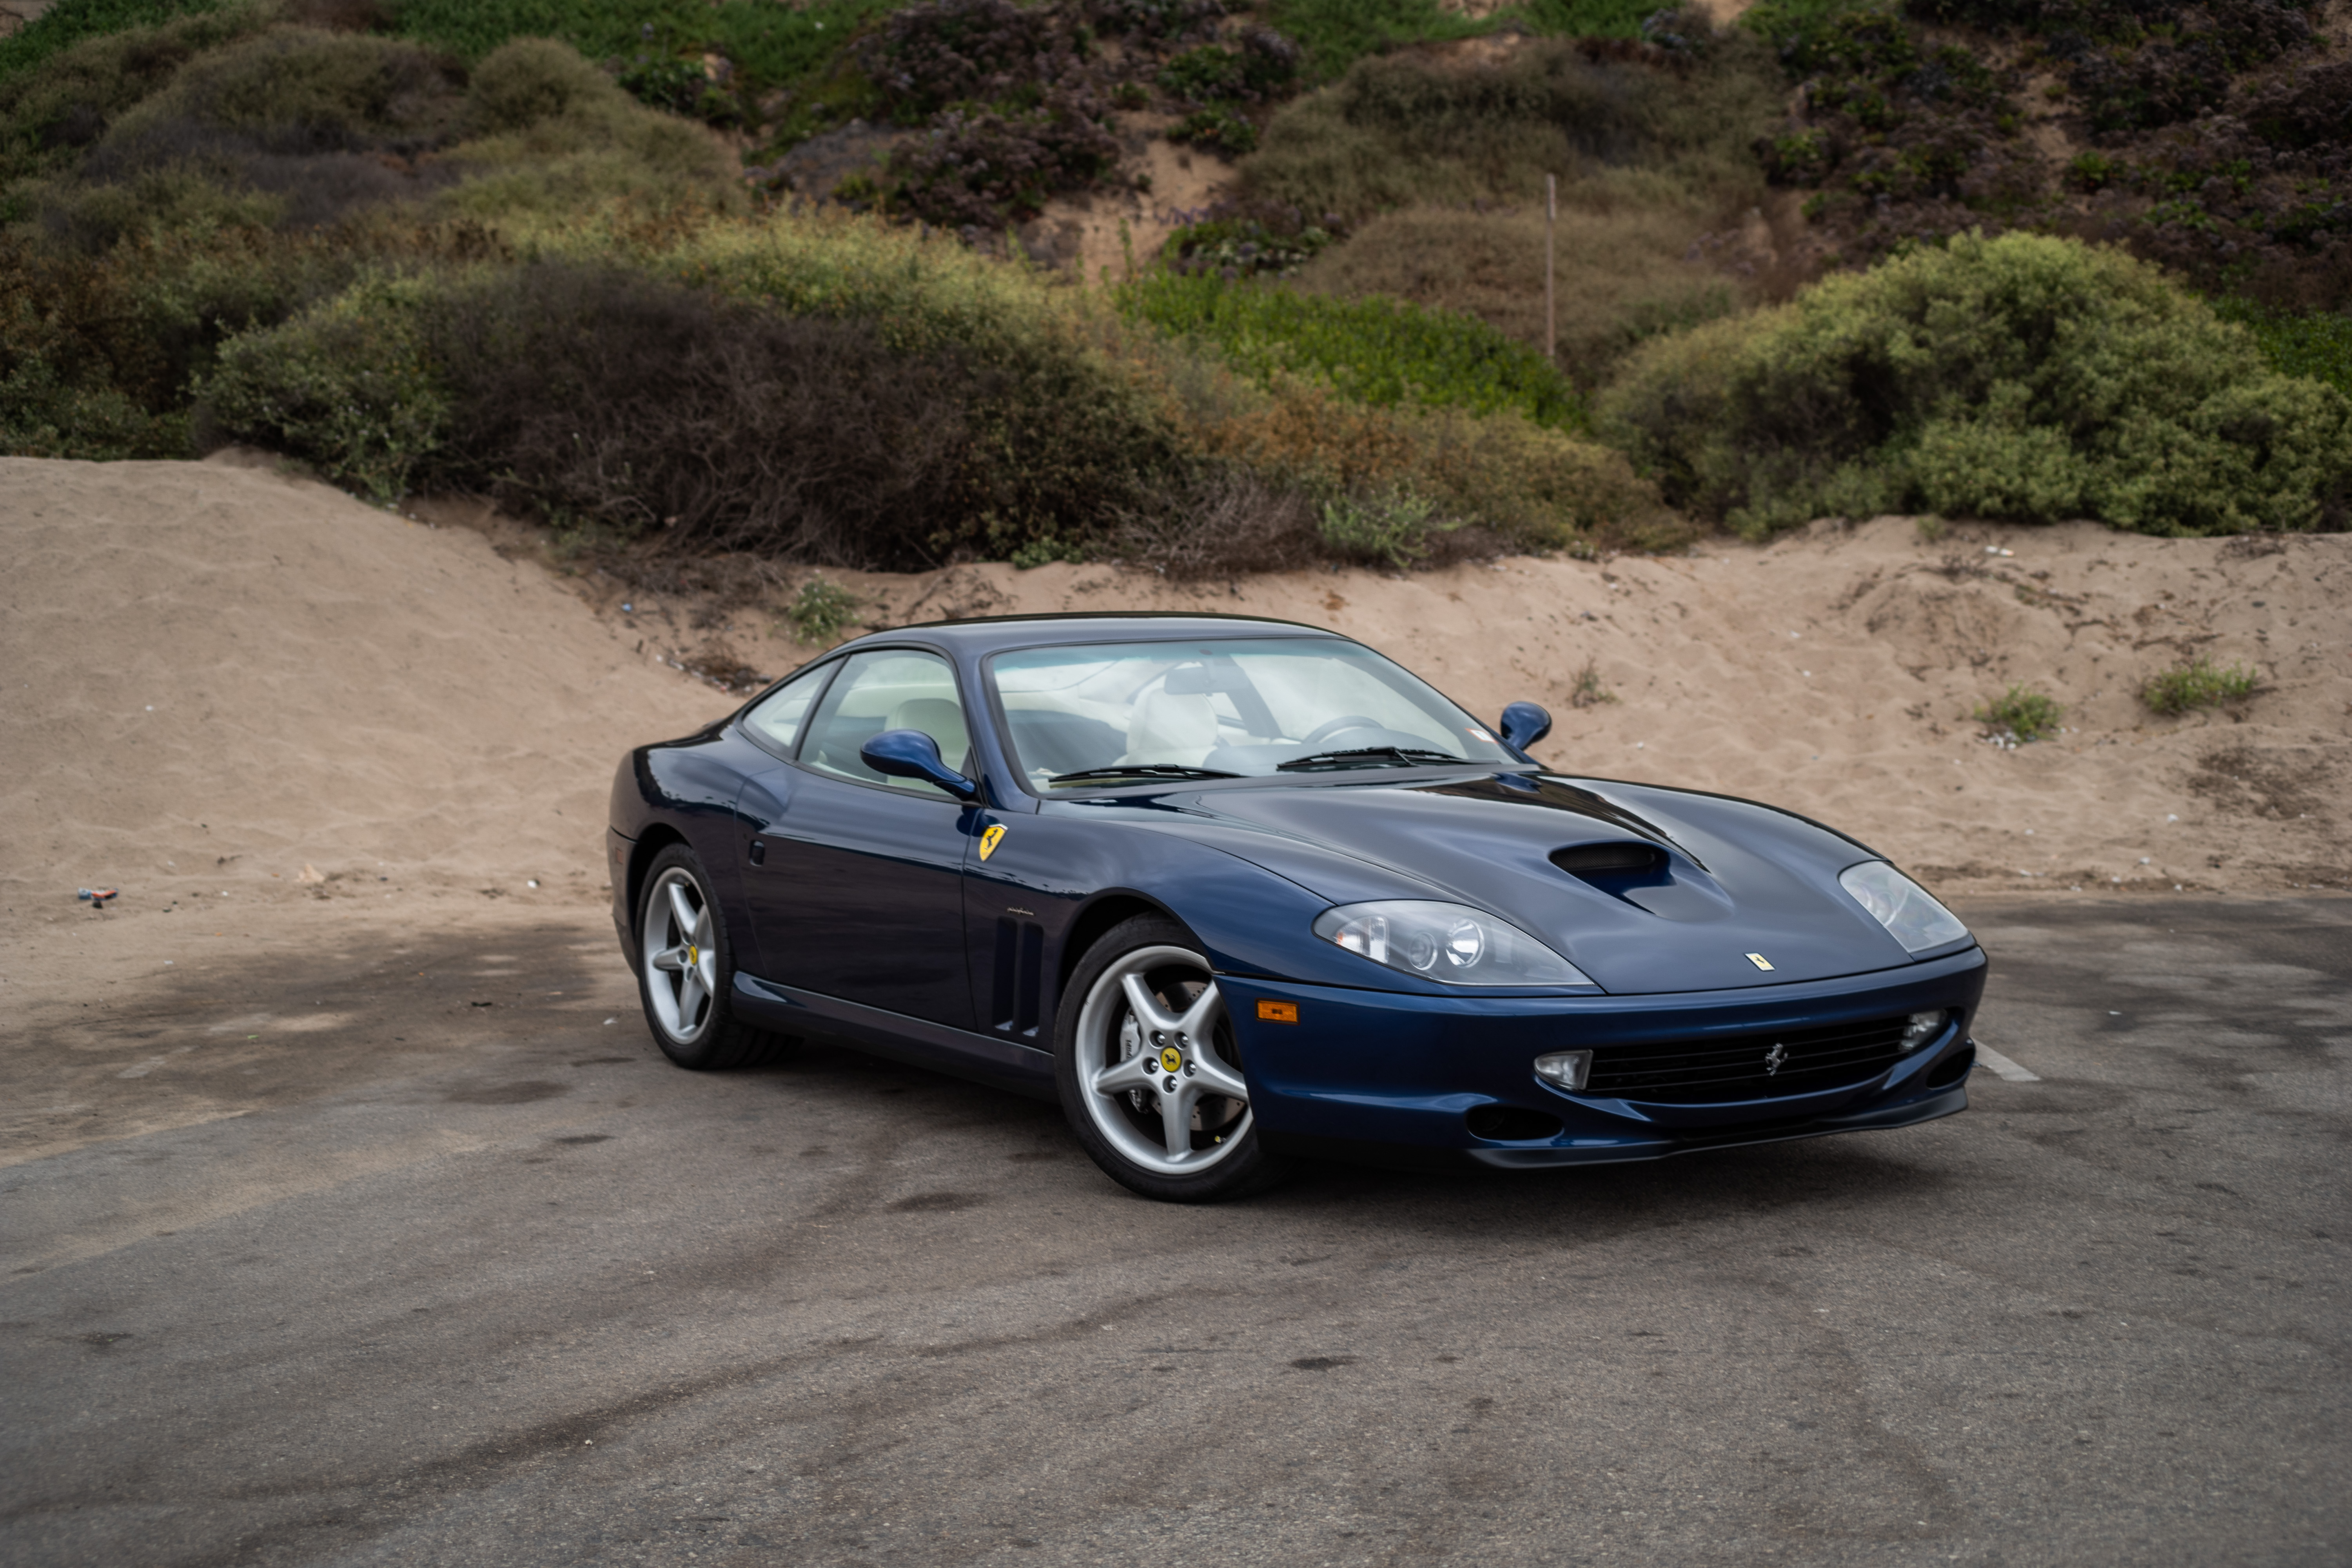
point(1747, 1067)
point(1511, 1123)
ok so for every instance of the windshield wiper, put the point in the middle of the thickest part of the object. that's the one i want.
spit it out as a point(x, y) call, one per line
point(1402, 756)
point(1142, 770)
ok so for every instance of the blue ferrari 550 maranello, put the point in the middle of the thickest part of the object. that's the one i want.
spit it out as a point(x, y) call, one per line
point(1239, 892)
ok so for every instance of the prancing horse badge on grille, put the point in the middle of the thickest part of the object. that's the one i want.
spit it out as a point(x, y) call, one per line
point(1774, 1057)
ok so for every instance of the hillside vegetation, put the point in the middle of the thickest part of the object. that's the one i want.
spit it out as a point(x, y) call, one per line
point(416, 246)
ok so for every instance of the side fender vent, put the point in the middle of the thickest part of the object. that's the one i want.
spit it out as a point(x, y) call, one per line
point(1017, 994)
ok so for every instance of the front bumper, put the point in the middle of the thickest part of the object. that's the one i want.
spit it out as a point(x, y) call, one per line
point(1390, 1077)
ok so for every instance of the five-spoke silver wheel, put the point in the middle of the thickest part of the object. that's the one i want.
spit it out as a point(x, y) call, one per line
point(681, 956)
point(1154, 1058)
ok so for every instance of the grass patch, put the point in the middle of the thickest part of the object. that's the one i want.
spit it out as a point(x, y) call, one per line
point(1373, 350)
point(2020, 714)
point(2198, 683)
point(1624, 275)
point(1436, 168)
point(1407, 130)
point(1587, 691)
point(1336, 34)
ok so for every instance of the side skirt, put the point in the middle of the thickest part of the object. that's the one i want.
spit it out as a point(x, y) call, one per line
point(999, 1063)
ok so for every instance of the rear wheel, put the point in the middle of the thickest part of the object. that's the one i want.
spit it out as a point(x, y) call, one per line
point(1150, 1074)
point(685, 971)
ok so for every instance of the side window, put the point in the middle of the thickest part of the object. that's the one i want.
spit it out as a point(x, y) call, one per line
point(889, 689)
point(776, 721)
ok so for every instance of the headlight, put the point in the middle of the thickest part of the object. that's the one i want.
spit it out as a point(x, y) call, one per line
point(1449, 942)
point(1902, 906)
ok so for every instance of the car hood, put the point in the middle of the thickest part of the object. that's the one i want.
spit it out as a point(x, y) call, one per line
point(1728, 878)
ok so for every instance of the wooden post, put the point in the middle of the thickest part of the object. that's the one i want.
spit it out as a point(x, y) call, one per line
point(1552, 221)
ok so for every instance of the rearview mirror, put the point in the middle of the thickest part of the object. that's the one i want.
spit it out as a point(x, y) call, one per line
point(912, 754)
point(1524, 723)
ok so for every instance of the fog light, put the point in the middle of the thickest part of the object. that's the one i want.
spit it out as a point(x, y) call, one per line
point(1569, 1070)
point(1921, 1027)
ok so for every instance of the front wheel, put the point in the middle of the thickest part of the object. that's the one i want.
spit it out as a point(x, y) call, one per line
point(1150, 1073)
point(685, 971)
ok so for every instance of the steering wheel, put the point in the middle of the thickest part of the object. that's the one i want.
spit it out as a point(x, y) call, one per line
point(1341, 726)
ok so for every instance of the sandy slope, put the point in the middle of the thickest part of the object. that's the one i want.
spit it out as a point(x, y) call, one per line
point(217, 675)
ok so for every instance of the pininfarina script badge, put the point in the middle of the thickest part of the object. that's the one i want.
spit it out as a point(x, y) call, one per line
point(1774, 1057)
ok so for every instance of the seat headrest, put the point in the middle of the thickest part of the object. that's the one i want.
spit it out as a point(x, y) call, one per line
point(939, 719)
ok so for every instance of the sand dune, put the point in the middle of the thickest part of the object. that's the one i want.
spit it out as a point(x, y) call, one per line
point(219, 676)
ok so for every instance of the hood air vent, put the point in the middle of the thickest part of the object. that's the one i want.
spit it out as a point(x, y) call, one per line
point(1611, 866)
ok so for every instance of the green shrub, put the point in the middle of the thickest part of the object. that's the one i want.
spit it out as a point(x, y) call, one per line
point(820, 612)
point(1218, 129)
point(2198, 683)
point(1211, 71)
point(63, 97)
point(551, 134)
point(350, 387)
point(72, 22)
point(2022, 377)
point(97, 354)
point(2020, 714)
point(1391, 528)
point(1372, 349)
point(1541, 488)
point(771, 44)
point(1245, 244)
point(295, 127)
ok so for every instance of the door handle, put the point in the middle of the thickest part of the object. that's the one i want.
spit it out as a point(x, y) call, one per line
point(759, 852)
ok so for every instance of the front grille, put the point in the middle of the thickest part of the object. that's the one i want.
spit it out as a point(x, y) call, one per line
point(1699, 1072)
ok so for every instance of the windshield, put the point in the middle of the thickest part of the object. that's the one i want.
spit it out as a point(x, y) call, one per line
point(1239, 708)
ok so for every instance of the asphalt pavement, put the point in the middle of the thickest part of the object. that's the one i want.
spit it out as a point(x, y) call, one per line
point(492, 1283)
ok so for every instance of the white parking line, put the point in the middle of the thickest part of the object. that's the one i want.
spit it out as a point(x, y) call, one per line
point(1989, 1058)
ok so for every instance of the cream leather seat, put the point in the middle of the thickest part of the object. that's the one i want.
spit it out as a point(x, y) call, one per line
point(1170, 728)
point(939, 719)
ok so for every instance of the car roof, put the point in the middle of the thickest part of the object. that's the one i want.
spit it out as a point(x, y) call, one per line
point(986, 633)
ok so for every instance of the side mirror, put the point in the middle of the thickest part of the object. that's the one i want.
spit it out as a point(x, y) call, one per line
point(1524, 723)
point(912, 754)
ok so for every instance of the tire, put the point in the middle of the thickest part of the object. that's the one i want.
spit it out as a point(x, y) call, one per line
point(686, 972)
point(1188, 1143)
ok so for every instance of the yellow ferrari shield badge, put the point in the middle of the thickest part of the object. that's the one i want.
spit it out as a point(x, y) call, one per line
point(990, 839)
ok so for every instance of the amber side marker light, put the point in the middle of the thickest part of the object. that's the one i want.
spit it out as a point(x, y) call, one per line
point(1277, 1012)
